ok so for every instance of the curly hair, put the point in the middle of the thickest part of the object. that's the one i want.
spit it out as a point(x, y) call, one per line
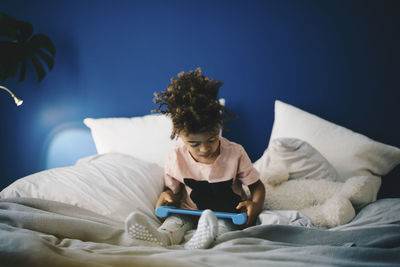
point(191, 102)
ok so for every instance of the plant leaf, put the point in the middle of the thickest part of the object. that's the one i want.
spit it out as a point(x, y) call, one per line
point(25, 30)
point(43, 42)
point(46, 58)
point(21, 48)
point(38, 68)
point(8, 26)
point(22, 71)
point(9, 59)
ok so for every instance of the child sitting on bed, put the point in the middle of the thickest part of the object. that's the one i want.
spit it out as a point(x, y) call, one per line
point(203, 171)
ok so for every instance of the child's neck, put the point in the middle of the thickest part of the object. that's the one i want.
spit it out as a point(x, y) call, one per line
point(209, 160)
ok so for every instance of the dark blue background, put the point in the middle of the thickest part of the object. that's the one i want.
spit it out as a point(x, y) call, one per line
point(336, 59)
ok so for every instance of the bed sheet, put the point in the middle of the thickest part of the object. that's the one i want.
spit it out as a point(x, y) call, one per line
point(37, 232)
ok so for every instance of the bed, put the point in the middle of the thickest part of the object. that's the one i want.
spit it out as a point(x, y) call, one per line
point(74, 215)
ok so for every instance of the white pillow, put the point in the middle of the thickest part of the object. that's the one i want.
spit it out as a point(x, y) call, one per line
point(146, 138)
point(350, 153)
point(109, 184)
point(299, 159)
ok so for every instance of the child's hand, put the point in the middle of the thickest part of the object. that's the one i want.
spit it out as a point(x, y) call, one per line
point(255, 205)
point(252, 211)
point(167, 198)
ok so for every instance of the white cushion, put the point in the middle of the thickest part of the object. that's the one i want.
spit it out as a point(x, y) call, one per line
point(143, 137)
point(146, 138)
point(350, 153)
point(109, 184)
point(300, 160)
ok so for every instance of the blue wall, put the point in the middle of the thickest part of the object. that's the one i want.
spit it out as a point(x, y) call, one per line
point(336, 59)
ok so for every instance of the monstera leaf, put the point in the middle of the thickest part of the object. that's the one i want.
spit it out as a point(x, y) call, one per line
point(18, 46)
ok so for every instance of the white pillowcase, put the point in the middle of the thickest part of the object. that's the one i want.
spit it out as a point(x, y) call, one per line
point(146, 138)
point(143, 137)
point(299, 159)
point(109, 184)
point(350, 153)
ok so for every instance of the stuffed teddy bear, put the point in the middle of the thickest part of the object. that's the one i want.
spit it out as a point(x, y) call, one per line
point(298, 177)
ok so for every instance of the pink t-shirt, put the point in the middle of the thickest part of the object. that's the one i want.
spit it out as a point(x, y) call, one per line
point(210, 183)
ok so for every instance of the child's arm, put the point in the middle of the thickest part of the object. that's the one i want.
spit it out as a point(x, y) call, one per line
point(255, 205)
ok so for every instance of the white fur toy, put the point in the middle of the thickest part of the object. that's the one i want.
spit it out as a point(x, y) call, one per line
point(294, 180)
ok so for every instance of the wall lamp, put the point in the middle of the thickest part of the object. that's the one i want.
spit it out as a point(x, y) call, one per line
point(17, 101)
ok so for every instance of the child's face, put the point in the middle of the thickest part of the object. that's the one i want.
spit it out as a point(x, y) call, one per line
point(204, 147)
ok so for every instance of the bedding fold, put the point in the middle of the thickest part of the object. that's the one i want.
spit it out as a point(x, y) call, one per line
point(36, 232)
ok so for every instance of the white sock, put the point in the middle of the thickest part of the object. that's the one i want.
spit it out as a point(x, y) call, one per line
point(207, 230)
point(139, 226)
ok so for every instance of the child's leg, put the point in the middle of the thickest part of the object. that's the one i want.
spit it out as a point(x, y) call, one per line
point(206, 231)
point(176, 226)
point(171, 232)
point(226, 225)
